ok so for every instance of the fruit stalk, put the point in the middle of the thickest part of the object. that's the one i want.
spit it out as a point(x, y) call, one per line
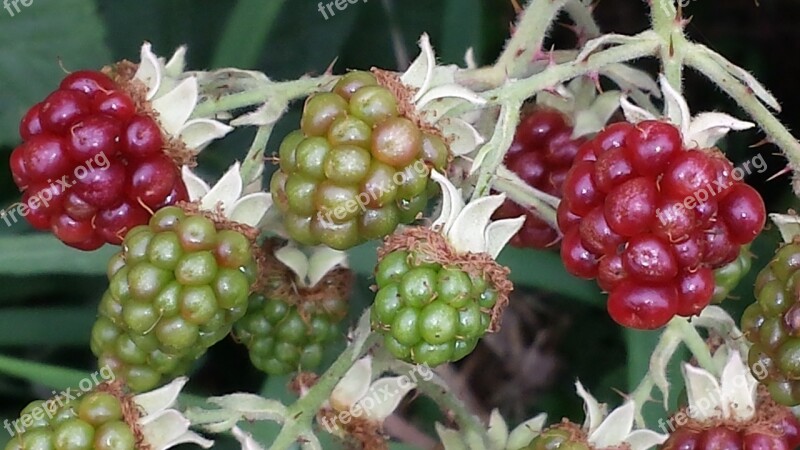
point(301, 414)
point(697, 57)
point(269, 92)
point(667, 23)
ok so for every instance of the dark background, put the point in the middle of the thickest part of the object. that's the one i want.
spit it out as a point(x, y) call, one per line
point(557, 329)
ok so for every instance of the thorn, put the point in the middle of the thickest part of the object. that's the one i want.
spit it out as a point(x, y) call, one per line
point(760, 143)
point(783, 171)
point(551, 56)
point(511, 28)
point(516, 6)
point(329, 70)
point(595, 77)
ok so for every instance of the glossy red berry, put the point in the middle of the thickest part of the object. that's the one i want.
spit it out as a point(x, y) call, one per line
point(541, 154)
point(92, 165)
point(651, 145)
point(653, 221)
point(642, 306)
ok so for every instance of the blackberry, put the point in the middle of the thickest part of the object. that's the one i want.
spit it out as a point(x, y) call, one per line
point(95, 161)
point(440, 289)
point(356, 168)
point(291, 320)
point(772, 324)
point(176, 288)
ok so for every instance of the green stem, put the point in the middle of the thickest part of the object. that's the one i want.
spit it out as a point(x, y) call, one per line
point(253, 164)
point(280, 91)
point(669, 26)
point(581, 14)
point(301, 414)
point(697, 58)
point(520, 192)
point(520, 50)
point(521, 89)
point(435, 389)
point(695, 343)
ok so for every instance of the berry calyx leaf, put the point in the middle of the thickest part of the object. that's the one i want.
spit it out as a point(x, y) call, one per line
point(701, 131)
point(731, 396)
point(226, 196)
point(311, 269)
point(788, 225)
point(468, 227)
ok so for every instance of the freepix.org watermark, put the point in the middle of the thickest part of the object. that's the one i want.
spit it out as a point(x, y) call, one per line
point(12, 6)
point(709, 191)
point(364, 198)
point(50, 407)
point(327, 8)
point(378, 396)
point(43, 197)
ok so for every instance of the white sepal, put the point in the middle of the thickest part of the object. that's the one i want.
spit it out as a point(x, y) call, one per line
point(195, 186)
point(198, 133)
point(788, 225)
point(703, 386)
point(381, 405)
point(322, 261)
point(525, 432)
point(161, 398)
point(644, 439)
point(594, 118)
point(464, 138)
point(615, 428)
point(447, 91)
point(499, 232)
point(176, 106)
point(675, 106)
point(225, 192)
point(252, 407)
point(739, 388)
point(177, 63)
point(250, 209)
point(420, 73)
point(227, 195)
point(594, 411)
point(468, 232)
point(353, 386)
point(708, 128)
point(633, 113)
point(452, 203)
point(149, 71)
point(498, 430)
point(245, 439)
point(293, 258)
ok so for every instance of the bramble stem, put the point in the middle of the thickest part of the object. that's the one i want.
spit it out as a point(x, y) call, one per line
point(284, 91)
point(301, 414)
point(669, 26)
point(698, 59)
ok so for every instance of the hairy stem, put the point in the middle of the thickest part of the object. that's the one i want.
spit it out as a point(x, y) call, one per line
point(669, 26)
point(283, 91)
point(301, 414)
point(581, 14)
point(517, 190)
point(253, 164)
point(777, 133)
point(520, 50)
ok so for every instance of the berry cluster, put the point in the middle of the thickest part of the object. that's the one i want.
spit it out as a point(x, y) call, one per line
point(558, 438)
point(93, 421)
point(651, 220)
point(176, 289)
point(356, 169)
point(91, 165)
point(429, 313)
point(783, 434)
point(287, 326)
point(541, 154)
point(772, 324)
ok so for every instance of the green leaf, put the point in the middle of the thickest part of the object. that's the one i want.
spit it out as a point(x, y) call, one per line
point(53, 377)
point(43, 253)
point(34, 326)
point(462, 28)
point(35, 39)
point(245, 34)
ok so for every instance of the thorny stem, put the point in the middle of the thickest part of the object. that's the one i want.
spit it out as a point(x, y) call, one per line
point(273, 92)
point(301, 414)
point(436, 389)
point(520, 50)
point(699, 60)
point(669, 26)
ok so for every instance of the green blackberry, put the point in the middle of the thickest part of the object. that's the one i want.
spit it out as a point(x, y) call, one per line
point(431, 308)
point(356, 168)
point(103, 419)
point(772, 324)
point(176, 288)
point(728, 276)
point(290, 320)
point(563, 437)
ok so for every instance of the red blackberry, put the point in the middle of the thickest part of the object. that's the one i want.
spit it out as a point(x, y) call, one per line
point(95, 159)
point(652, 219)
point(541, 154)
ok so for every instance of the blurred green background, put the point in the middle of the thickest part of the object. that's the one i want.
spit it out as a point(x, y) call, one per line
point(557, 329)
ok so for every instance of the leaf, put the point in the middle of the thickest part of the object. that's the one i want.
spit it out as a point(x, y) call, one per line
point(35, 39)
point(53, 377)
point(43, 253)
point(245, 35)
point(33, 326)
